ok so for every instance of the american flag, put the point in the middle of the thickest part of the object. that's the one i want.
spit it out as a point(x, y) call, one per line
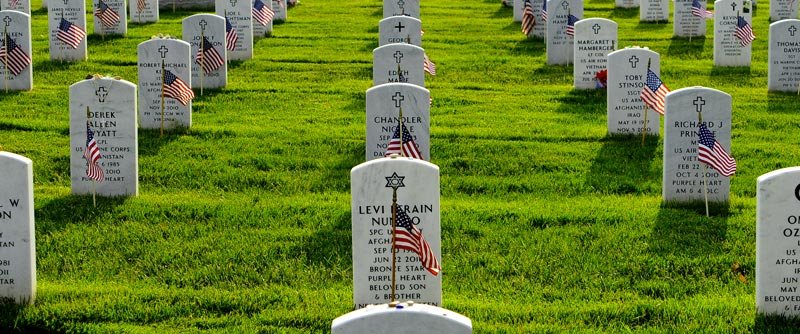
point(13, 57)
point(544, 11)
point(408, 237)
point(208, 57)
point(231, 37)
point(699, 11)
point(408, 147)
point(428, 65)
point(176, 88)
point(70, 34)
point(528, 20)
point(262, 13)
point(13, 4)
point(92, 155)
point(571, 19)
point(108, 17)
point(654, 92)
point(744, 32)
point(141, 5)
point(711, 152)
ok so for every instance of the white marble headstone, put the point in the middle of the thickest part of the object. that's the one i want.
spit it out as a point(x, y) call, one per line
point(683, 175)
point(147, 13)
point(594, 39)
point(259, 29)
point(18, 5)
point(118, 28)
point(782, 10)
point(727, 50)
point(627, 73)
point(778, 242)
point(626, 3)
point(17, 237)
point(405, 317)
point(240, 15)
point(387, 58)
point(176, 58)
point(18, 28)
point(401, 8)
point(280, 9)
point(653, 10)
point(540, 27)
point(559, 44)
point(518, 7)
point(371, 205)
point(212, 28)
point(400, 29)
point(784, 56)
point(112, 117)
point(684, 23)
point(74, 12)
point(383, 109)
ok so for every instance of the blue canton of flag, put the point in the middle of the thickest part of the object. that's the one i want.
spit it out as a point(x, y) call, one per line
point(571, 19)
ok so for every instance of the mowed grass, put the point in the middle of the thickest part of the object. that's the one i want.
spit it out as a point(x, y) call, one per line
point(548, 224)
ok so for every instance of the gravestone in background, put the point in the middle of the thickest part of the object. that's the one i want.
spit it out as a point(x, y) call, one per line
point(653, 10)
point(400, 29)
point(383, 109)
point(727, 50)
point(387, 58)
point(417, 185)
point(112, 118)
point(240, 15)
point(778, 243)
point(540, 27)
point(784, 58)
point(280, 9)
point(17, 237)
point(18, 5)
point(782, 10)
point(144, 14)
point(683, 175)
point(118, 8)
point(627, 73)
point(594, 39)
point(684, 24)
point(265, 29)
point(74, 12)
point(559, 44)
point(626, 3)
point(212, 28)
point(408, 317)
point(176, 58)
point(518, 7)
point(401, 8)
point(19, 74)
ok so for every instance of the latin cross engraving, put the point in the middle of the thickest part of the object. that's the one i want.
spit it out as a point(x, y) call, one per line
point(565, 5)
point(203, 24)
point(398, 98)
point(633, 60)
point(163, 51)
point(733, 6)
point(699, 103)
point(7, 20)
point(400, 27)
point(596, 28)
point(101, 94)
point(233, 3)
point(398, 56)
point(401, 3)
point(65, 2)
point(792, 30)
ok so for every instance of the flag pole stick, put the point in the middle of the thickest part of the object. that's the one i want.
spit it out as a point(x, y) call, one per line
point(5, 58)
point(705, 182)
point(102, 28)
point(400, 120)
point(394, 239)
point(163, 76)
point(61, 49)
point(173, 5)
point(644, 126)
point(94, 183)
point(203, 59)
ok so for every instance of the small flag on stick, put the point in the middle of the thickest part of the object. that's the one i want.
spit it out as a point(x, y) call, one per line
point(709, 151)
point(231, 37)
point(208, 57)
point(571, 20)
point(176, 88)
point(408, 237)
point(261, 13)
point(654, 92)
point(744, 32)
point(92, 156)
point(699, 11)
point(407, 147)
point(528, 19)
point(13, 57)
point(108, 17)
point(70, 34)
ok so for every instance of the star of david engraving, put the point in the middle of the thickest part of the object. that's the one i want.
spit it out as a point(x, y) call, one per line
point(395, 181)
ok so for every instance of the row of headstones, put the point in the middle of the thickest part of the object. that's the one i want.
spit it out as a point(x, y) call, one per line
point(410, 184)
point(561, 46)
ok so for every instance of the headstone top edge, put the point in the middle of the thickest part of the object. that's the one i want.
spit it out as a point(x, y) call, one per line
point(594, 19)
point(396, 17)
point(636, 49)
point(386, 46)
point(166, 39)
point(203, 15)
point(401, 84)
point(103, 79)
point(382, 309)
point(784, 21)
point(16, 157)
point(693, 89)
point(775, 173)
point(389, 160)
point(14, 12)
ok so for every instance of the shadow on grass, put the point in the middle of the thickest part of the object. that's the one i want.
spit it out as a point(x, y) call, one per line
point(98, 40)
point(623, 13)
point(151, 140)
point(682, 47)
point(769, 324)
point(732, 73)
point(529, 46)
point(337, 178)
point(682, 229)
point(583, 102)
point(330, 245)
point(623, 166)
point(55, 214)
point(9, 315)
point(779, 102)
point(503, 12)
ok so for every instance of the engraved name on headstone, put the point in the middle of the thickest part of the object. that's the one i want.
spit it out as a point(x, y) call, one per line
point(684, 23)
point(560, 45)
point(388, 58)
point(110, 17)
point(400, 29)
point(175, 56)
point(143, 11)
point(784, 56)
point(727, 48)
point(239, 14)
point(594, 39)
point(384, 103)
point(17, 64)
point(653, 10)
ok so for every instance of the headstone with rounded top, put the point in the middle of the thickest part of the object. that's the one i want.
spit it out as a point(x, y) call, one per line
point(384, 105)
point(627, 74)
point(784, 56)
point(401, 8)
point(17, 66)
point(67, 30)
point(262, 18)
point(110, 17)
point(143, 11)
point(406, 317)
point(559, 44)
point(17, 232)
point(160, 93)
point(208, 31)
point(684, 23)
point(728, 49)
point(653, 10)
point(280, 9)
point(238, 27)
point(398, 62)
point(400, 29)
point(594, 39)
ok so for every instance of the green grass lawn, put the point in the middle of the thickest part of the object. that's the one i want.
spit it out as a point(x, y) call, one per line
point(548, 224)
